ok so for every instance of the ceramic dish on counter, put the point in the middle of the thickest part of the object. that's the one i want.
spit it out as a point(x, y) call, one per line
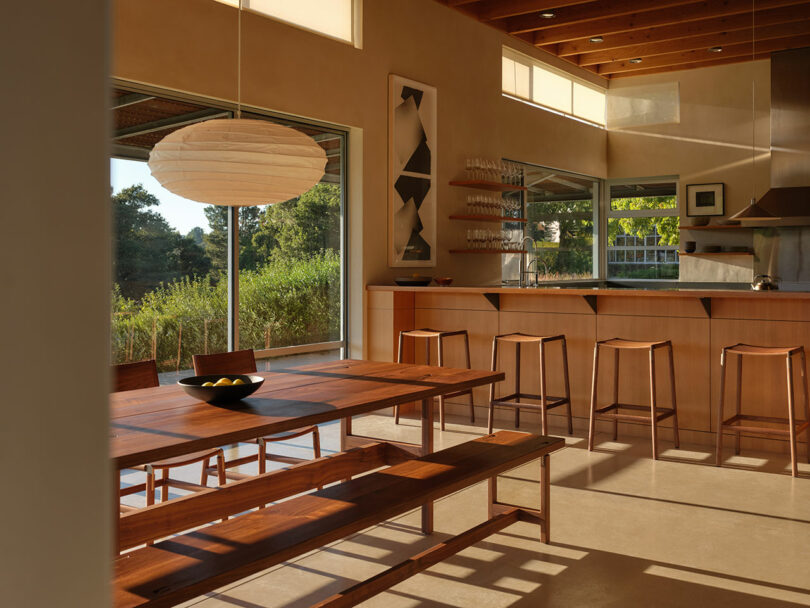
point(413, 281)
point(443, 281)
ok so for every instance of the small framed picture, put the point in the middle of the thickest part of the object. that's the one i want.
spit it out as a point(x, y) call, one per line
point(704, 199)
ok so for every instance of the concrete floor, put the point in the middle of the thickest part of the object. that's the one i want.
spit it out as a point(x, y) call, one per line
point(626, 531)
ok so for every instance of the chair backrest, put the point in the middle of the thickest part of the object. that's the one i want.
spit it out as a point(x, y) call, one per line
point(236, 362)
point(131, 376)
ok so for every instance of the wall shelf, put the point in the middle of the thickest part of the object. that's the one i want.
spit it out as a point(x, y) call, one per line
point(706, 253)
point(482, 184)
point(488, 218)
point(717, 227)
point(498, 251)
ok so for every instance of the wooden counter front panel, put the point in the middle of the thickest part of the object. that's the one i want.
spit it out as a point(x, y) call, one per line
point(651, 306)
point(690, 342)
point(543, 303)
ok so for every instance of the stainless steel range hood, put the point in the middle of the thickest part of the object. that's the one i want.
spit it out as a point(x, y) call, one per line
point(787, 203)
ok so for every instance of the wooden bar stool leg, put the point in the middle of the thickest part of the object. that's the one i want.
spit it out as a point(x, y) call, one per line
point(653, 406)
point(150, 485)
point(616, 392)
point(543, 399)
point(204, 475)
point(675, 430)
point(469, 366)
point(568, 386)
point(545, 498)
point(806, 402)
point(164, 489)
point(738, 409)
point(262, 455)
point(592, 419)
point(794, 462)
point(721, 400)
point(517, 384)
point(440, 353)
point(399, 360)
point(491, 416)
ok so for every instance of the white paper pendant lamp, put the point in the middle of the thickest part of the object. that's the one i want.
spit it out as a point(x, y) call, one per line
point(238, 162)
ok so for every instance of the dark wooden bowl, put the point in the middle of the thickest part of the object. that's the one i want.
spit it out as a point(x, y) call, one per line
point(220, 394)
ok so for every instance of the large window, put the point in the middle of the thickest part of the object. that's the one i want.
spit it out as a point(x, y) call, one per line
point(170, 256)
point(334, 18)
point(643, 233)
point(562, 218)
point(530, 80)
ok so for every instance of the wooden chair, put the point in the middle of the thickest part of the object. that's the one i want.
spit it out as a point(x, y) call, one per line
point(244, 362)
point(143, 374)
point(789, 426)
point(613, 412)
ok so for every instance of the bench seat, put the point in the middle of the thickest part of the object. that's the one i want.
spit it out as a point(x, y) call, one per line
point(185, 566)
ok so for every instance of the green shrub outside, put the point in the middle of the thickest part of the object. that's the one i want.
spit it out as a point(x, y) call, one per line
point(283, 303)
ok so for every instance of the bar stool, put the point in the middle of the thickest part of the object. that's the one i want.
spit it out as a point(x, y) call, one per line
point(427, 335)
point(657, 414)
point(734, 423)
point(513, 400)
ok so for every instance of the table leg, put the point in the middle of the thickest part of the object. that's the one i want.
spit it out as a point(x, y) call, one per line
point(427, 448)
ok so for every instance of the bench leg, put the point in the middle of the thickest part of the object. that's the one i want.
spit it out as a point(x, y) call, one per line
point(427, 448)
point(545, 498)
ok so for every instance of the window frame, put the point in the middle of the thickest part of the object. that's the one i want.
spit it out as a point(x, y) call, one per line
point(531, 63)
point(138, 154)
point(610, 213)
point(356, 18)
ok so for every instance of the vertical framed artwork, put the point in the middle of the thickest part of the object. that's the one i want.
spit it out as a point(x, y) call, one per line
point(704, 199)
point(411, 173)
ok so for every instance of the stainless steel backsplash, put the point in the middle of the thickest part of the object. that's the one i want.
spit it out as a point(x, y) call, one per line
point(784, 253)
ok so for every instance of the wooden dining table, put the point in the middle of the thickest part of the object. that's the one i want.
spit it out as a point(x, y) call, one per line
point(152, 424)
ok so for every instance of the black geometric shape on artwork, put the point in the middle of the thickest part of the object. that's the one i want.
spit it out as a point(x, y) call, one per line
point(415, 188)
point(411, 92)
point(419, 162)
point(417, 248)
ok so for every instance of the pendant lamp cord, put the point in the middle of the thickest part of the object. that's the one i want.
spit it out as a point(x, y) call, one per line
point(753, 105)
point(239, 63)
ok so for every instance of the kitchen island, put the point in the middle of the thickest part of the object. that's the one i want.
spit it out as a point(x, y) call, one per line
point(699, 322)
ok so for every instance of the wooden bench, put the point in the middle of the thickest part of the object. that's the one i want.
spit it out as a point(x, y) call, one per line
point(186, 566)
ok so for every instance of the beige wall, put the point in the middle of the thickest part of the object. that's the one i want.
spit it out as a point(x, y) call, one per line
point(290, 70)
point(712, 143)
point(56, 499)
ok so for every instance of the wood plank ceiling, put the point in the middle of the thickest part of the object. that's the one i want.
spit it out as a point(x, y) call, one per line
point(618, 38)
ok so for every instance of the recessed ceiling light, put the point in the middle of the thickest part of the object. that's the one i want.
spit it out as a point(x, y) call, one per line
point(548, 14)
point(716, 49)
point(596, 39)
point(636, 60)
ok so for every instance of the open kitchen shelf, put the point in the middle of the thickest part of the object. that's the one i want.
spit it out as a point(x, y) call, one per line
point(488, 251)
point(487, 185)
point(706, 253)
point(717, 227)
point(488, 218)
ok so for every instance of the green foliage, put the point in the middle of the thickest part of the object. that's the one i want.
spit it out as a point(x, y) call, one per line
point(285, 302)
point(564, 234)
point(147, 250)
point(642, 227)
point(300, 227)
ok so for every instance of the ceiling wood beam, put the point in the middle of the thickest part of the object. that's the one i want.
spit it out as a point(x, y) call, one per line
point(698, 43)
point(774, 16)
point(654, 18)
point(490, 10)
point(700, 56)
point(680, 68)
point(591, 11)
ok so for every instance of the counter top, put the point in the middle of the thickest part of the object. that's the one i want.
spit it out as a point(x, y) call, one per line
point(612, 291)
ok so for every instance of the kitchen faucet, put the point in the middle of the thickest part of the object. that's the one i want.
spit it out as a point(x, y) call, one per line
point(524, 267)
